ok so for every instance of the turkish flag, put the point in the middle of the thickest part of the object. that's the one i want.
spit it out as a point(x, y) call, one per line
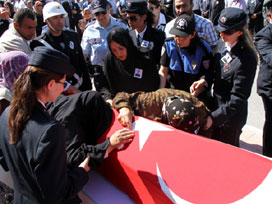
point(165, 165)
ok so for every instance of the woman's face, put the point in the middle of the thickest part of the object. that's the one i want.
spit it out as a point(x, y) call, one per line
point(55, 88)
point(182, 41)
point(230, 37)
point(88, 14)
point(118, 50)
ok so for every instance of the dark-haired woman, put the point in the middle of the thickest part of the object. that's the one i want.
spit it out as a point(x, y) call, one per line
point(126, 68)
point(32, 143)
point(235, 66)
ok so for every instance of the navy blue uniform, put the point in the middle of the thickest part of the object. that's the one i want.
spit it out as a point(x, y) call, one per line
point(192, 64)
point(234, 75)
point(37, 162)
point(68, 43)
point(264, 83)
point(151, 44)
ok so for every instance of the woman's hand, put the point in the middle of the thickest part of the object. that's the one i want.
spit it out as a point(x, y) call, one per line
point(122, 136)
point(125, 117)
point(208, 123)
point(85, 164)
point(198, 87)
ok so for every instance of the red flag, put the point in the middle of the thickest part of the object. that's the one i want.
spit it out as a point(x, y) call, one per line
point(163, 164)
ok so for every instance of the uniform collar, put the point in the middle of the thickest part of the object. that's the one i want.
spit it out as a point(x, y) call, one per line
point(141, 33)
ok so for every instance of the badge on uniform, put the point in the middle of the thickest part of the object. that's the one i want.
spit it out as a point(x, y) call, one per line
point(62, 45)
point(226, 59)
point(226, 67)
point(71, 45)
point(194, 64)
point(138, 73)
point(145, 44)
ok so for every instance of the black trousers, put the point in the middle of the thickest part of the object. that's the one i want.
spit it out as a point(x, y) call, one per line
point(267, 129)
point(229, 135)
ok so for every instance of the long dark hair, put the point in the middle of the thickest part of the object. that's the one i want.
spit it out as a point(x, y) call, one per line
point(246, 39)
point(24, 98)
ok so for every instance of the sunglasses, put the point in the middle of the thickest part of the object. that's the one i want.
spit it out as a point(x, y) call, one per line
point(98, 13)
point(133, 18)
point(65, 84)
point(229, 32)
point(151, 8)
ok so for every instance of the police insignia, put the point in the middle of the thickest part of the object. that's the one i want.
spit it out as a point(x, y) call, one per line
point(181, 24)
point(57, 7)
point(223, 19)
point(226, 67)
point(194, 64)
point(71, 45)
point(62, 45)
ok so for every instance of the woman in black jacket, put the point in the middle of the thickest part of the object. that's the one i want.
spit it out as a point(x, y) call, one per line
point(126, 68)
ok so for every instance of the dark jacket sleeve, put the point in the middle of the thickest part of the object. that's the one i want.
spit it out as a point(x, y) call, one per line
point(264, 45)
point(57, 184)
point(102, 79)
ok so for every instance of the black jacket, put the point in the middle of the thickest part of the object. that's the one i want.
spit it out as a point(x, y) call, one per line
point(85, 117)
point(264, 45)
point(72, 49)
point(37, 162)
point(232, 85)
point(73, 18)
point(155, 39)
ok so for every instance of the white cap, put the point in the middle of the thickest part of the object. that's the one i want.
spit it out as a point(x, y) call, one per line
point(53, 9)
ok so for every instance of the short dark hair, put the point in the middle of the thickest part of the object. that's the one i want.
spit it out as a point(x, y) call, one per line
point(23, 13)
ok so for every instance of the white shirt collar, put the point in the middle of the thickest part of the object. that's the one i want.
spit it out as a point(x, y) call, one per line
point(141, 33)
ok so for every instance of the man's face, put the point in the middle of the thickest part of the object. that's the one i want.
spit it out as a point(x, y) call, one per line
point(57, 22)
point(27, 29)
point(136, 20)
point(154, 9)
point(183, 7)
point(103, 18)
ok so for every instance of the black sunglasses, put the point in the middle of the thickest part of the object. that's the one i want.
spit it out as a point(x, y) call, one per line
point(151, 8)
point(133, 18)
point(98, 13)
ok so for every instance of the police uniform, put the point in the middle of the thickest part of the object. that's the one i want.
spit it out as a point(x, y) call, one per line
point(37, 161)
point(264, 83)
point(189, 64)
point(68, 43)
point(94, 41)
point(150, 40)
point(151, 43)
point(234, 75)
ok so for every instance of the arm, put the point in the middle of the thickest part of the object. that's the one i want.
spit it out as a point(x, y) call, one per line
point(163, 72)
point(56, 183)
point(264, 46)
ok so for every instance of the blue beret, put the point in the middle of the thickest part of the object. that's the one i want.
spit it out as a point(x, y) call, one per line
point(231, 19)
point(51, 60)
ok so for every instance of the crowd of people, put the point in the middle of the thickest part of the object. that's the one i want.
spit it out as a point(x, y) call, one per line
point(65, 65)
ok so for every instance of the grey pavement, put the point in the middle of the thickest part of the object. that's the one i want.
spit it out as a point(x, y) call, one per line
point(251, 138)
